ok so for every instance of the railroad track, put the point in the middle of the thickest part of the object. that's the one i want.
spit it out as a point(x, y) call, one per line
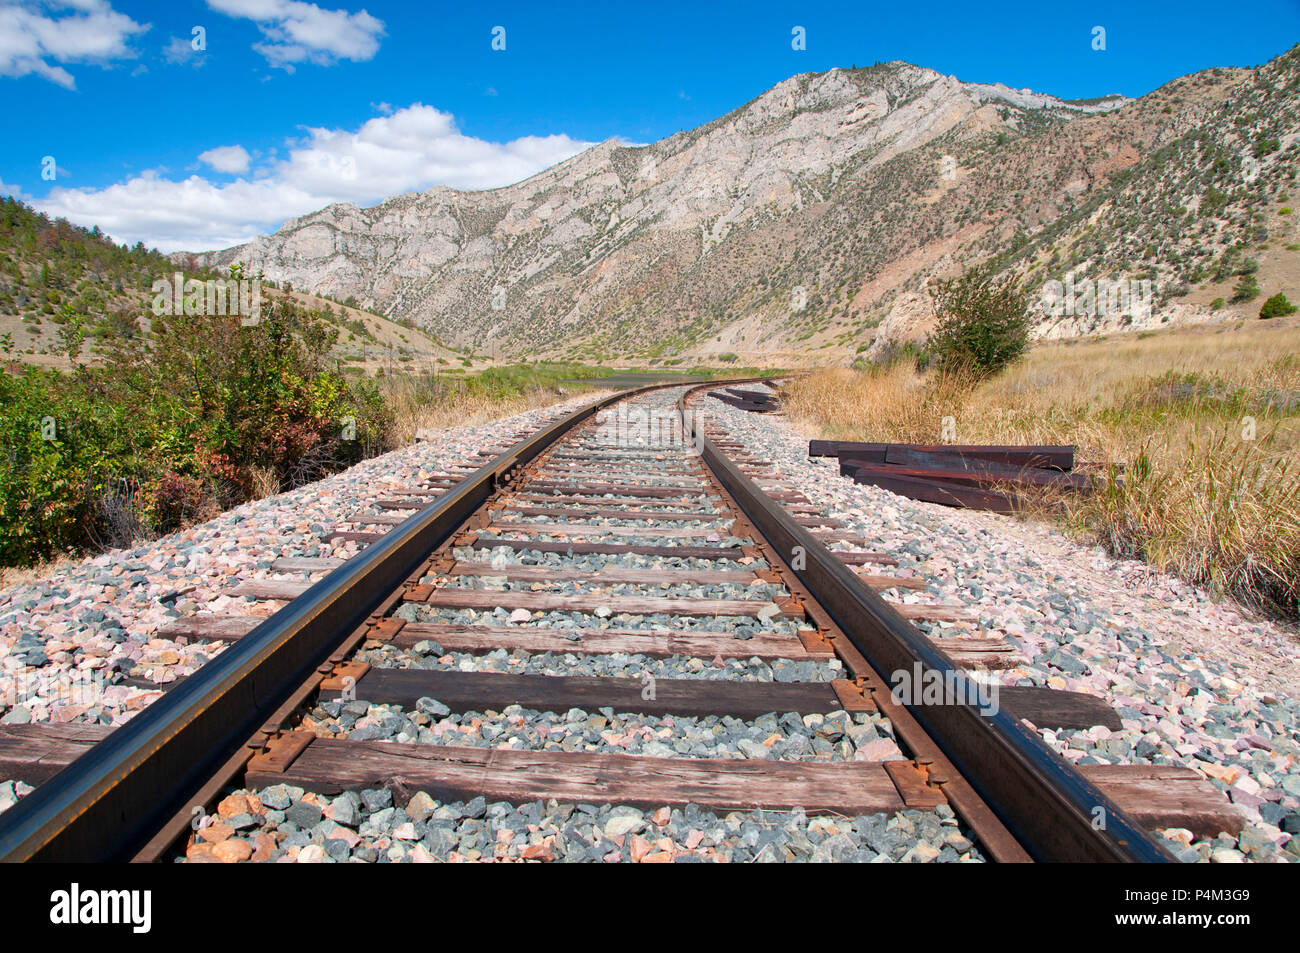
point(649, 551)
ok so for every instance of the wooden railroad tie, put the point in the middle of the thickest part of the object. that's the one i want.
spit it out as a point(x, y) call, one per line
point(1156, 796)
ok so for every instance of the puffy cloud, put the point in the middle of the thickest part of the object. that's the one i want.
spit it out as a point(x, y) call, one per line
point(297, 32)
point(230, 159)
point(14, 190)
point(36, 36)
point(412, 149)
point(180, 49)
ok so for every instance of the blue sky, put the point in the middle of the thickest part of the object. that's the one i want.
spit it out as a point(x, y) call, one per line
point(292, 105)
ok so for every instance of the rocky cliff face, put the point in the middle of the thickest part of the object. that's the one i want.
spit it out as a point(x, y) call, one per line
point(789, 226)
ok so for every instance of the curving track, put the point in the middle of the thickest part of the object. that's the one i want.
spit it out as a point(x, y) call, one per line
point(640, 533)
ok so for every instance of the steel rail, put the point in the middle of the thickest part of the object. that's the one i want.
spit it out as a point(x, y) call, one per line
point(1055, 813)
point(109, 802)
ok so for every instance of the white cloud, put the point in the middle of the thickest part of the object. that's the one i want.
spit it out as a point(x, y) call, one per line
point(230, 159)
point(14, 190)
point(180, 49)
point(36, 36)
point(297, 32)
point(411, 150)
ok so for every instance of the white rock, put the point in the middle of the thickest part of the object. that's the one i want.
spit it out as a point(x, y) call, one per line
point(620, 826)
point(1226, 855)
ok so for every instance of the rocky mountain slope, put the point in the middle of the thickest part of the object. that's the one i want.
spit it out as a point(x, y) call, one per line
point(806, 221)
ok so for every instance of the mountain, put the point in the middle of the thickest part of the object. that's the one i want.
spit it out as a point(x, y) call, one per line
point(52, 271)
point(807, 220)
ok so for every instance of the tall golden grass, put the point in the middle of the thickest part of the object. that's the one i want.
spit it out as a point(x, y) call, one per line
point(418, 407)
point(1211, 490)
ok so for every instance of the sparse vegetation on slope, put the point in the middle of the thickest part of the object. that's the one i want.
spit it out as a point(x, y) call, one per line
point(50, 269)
point(1198, 216)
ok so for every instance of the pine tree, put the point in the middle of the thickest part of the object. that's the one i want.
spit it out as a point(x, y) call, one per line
point(1277, 307)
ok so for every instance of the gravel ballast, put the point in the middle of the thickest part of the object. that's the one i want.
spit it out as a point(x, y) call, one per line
point(284, 824)
point(1196, 683)
point(68, 642)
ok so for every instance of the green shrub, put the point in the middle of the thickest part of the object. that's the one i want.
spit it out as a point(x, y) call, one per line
point(205, 415)
point(983, 322)
point(1277, 307)
point(1247, 289)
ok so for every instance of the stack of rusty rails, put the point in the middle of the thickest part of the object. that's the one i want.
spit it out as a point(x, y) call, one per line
point(983, 477)
point(532, 534)
point(755, 401)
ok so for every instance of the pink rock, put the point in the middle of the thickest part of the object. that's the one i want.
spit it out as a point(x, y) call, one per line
point(1247, 784)
point(1245, 800)
point(349, 837)
point(876, 750)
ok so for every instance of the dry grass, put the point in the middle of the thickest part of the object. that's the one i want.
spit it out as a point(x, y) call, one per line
point(1200, 498)
point(22, 575)
point(417, 407)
